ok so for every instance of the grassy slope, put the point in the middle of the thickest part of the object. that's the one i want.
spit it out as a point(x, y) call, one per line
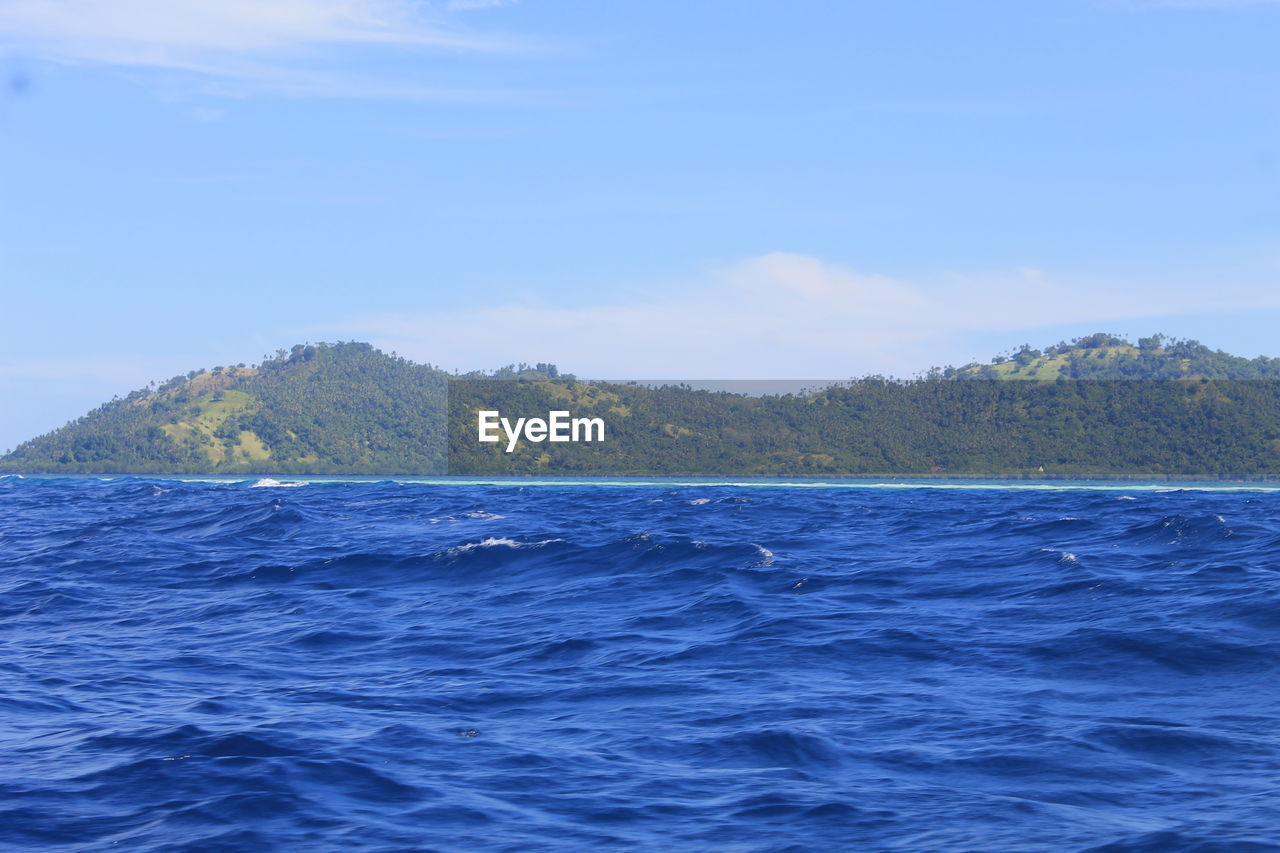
point(1050, 367)
point(1058, 365)
point(209, 411)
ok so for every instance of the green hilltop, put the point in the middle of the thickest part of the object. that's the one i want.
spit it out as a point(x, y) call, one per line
point(340, 408)
point(1107, 356)
point(347, 408)
point(343, 408)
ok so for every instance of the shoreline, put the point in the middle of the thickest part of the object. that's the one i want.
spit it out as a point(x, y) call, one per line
point(882, 483)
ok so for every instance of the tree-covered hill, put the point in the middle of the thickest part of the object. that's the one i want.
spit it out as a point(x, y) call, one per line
point(340, 408)
point(1083, 429)
point(1106, 356)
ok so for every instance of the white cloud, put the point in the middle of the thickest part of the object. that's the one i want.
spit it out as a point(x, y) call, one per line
point(285, 43)
point(783, 315)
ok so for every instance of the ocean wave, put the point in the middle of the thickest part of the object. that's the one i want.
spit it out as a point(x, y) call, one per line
point(498, 542)
point(688, 666)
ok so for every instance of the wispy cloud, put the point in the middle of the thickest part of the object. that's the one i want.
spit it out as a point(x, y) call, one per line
point(294, 45)
point(785, 315)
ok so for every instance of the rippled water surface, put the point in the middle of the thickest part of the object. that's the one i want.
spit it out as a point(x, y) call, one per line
point(394, 666)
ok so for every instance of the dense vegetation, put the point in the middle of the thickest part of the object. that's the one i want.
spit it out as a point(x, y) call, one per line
point(1106, 356)
point(327, 409)
point(349, 409)
point(1079, 429)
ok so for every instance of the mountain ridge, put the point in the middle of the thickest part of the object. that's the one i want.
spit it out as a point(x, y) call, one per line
point(347, 408)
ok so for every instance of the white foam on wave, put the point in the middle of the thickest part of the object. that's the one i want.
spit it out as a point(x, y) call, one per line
point(699, 501)
point(477, 514)
point(498, 542)
point(1065, 557)
point(491, 542)
point(268, 483)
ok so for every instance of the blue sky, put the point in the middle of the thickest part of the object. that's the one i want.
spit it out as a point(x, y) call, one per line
point(658, 189)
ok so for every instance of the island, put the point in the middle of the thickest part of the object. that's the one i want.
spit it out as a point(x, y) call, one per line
point(1100, 406)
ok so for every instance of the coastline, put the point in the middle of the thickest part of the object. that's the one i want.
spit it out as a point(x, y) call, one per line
point(885, 483)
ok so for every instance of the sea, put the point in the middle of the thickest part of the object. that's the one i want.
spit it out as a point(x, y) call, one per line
point(638, 665)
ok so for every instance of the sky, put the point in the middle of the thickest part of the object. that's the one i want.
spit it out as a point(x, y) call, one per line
point(719, 189)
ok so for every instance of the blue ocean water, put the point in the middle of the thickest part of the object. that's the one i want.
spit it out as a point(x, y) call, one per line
point(404, 666)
